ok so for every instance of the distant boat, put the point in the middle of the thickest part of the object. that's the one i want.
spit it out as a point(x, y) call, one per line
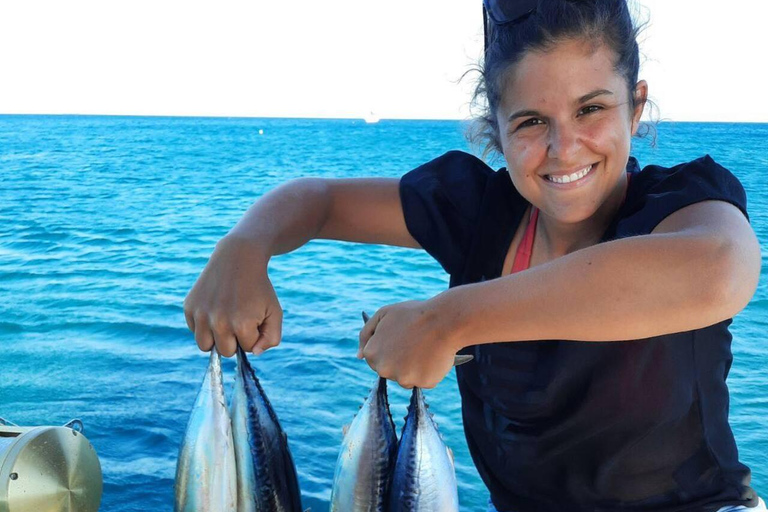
point(371, 118)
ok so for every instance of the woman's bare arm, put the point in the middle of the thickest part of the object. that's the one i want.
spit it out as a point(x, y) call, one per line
point(700, 266)
point(355, 210)
point(233, 302)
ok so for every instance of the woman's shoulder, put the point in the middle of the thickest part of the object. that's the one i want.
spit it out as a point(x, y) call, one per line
point(703, 171)
point(453, 167)
point(442, 200)
point(657, 191)
point(456, 178)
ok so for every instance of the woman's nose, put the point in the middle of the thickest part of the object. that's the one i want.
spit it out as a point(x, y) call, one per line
point(563, 143)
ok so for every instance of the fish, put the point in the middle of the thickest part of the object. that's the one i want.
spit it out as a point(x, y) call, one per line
point(424, 477)
point(363, 473)
point(205, 471)
point(266, 473)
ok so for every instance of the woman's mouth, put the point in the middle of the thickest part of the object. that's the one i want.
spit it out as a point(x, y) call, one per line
point(572, 177)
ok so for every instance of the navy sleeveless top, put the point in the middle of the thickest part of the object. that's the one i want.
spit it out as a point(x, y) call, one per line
point(567, 425)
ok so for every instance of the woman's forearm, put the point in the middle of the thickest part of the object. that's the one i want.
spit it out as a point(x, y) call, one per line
point(625, 289)
point(285, 218)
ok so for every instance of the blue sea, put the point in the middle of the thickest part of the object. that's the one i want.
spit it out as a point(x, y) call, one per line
point(106, 222)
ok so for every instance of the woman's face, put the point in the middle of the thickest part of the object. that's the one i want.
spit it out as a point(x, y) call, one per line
point(565, 125)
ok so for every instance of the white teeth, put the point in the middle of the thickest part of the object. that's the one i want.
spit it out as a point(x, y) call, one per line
point(570, 177)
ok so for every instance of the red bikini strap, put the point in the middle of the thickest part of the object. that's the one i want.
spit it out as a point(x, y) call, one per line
point(525, 249)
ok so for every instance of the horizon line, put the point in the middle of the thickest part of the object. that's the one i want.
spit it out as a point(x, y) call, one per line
point(320, 118)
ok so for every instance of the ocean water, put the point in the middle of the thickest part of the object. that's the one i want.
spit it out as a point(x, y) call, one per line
point(105, 223)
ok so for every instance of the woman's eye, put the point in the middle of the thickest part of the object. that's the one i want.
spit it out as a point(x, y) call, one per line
point(530, 122)
point(590, 109)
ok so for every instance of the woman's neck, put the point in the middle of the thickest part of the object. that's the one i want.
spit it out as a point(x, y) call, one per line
point(558, 239)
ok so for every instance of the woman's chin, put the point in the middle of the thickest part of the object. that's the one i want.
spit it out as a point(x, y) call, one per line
point(569, 216)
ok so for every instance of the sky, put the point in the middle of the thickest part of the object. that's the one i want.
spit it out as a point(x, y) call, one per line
point(703, 59)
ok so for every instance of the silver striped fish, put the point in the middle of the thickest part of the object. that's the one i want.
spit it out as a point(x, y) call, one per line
point(364, 468)
point(266, 474)
point(205, 470)
point(424, 477)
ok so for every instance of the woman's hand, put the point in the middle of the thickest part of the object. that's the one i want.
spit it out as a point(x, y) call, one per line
point(234, 302)
point(409, 343)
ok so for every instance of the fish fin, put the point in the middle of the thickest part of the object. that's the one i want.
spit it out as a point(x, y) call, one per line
point(345, 429)
point(450, 456)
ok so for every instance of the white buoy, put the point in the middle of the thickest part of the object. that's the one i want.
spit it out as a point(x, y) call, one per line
point(261, 132)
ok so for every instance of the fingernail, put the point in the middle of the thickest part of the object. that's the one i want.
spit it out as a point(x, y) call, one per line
point(257, 351)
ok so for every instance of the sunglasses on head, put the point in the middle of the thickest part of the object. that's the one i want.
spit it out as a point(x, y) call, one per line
point(501, 12)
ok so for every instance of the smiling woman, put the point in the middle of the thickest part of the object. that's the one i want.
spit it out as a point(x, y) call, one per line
point(594, 296)
point(566, 151)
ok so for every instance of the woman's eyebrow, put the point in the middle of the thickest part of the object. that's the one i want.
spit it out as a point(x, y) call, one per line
point(594, 94)
point(523, 113)
point(585, 98)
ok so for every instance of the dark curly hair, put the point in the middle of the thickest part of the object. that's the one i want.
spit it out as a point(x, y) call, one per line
point(605, 22)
